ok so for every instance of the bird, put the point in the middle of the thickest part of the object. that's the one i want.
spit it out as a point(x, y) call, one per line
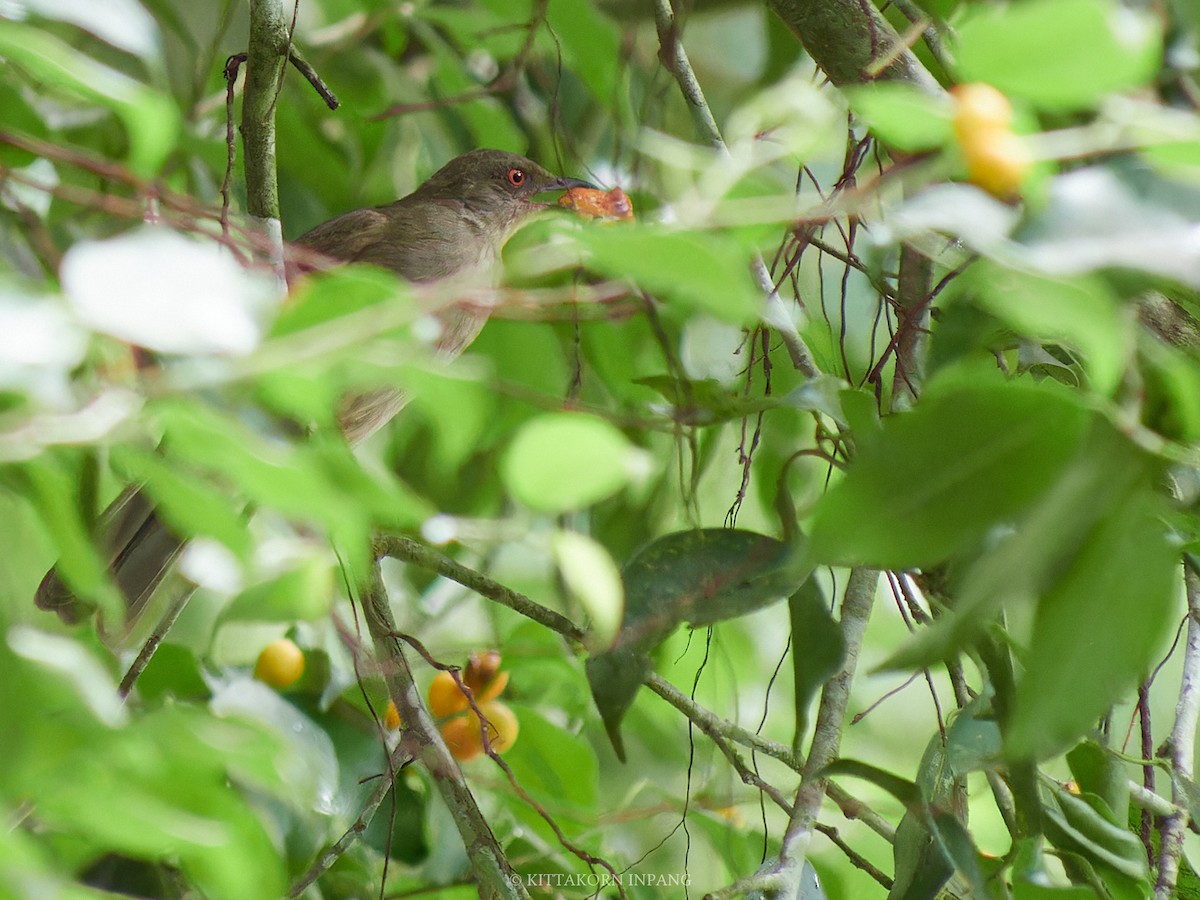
point(450, 229)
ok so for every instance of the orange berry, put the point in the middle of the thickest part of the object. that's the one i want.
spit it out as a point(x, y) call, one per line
point(391, 716)
point(445, 696)
point(464, 737)
point(280, 664)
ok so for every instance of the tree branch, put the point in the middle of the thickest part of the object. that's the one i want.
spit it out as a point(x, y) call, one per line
point(494, 876)
point(849, 39)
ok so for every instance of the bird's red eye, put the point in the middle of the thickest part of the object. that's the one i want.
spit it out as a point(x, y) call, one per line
point(516, 177)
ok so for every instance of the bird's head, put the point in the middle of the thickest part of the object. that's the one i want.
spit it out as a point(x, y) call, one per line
point(494, 184)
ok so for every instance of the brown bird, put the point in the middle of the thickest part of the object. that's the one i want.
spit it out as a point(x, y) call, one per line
point(451, 228)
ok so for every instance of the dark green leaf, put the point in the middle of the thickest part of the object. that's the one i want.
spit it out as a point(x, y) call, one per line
point(817, 647)
point(1027, 561)
point(1075, 824)
point(1100, 773)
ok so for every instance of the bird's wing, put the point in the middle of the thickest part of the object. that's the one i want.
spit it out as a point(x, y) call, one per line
point(449, 243)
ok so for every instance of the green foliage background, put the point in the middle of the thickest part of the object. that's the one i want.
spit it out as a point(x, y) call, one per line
point(1037, 497)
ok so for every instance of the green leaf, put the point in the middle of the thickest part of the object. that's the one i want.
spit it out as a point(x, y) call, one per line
point(1081, 312)
point(1058, 54)
point(817, 647)
point(152, 119)
point(1100, 773)
point(702, 577)
point(1114, 603)
point(591, 45)
point(1073, 824)
point(1028, 561)
point(305, 593)
point(1027, 890)
point(52, 483)
point(564, 461)
point(937, 478)
point(693, 270)
point(554, 764)
point(904, 116)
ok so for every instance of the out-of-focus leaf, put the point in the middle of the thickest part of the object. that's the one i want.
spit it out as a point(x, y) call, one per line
point(697, 271)
point(1027, 890)
point(972, 741)
point(564, 461)
point(53, 485)
point(1081, 312)
point(556, 764)
point(1128, 568)
point(904, 116)
point(817, 647)
point(1171, 384)
point(1058, 54)
point(1028, 561)
point(160, 290)
point(590, 45)
point(152, 119)
point(907, 792)
point(303, 757)
point(940, 476)
point(1107, 217)
point(19, 119)
point(594, 580)
point(39, 346)
point(305, 592)
point(189, 505)
point(123, 23)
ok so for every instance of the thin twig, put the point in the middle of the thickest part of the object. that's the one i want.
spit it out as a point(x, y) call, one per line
point(675, 58)
point(410, 551)
point(356, 830)
point(1180, 747)
point(304, 67)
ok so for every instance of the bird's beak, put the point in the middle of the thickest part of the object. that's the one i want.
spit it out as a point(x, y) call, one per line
point(562, 184)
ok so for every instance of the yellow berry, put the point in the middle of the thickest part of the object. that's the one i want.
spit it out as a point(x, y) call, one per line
point(979, 107)
point(280, 664)
point(998, 164)
point(391, 716)
point(504, 727)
